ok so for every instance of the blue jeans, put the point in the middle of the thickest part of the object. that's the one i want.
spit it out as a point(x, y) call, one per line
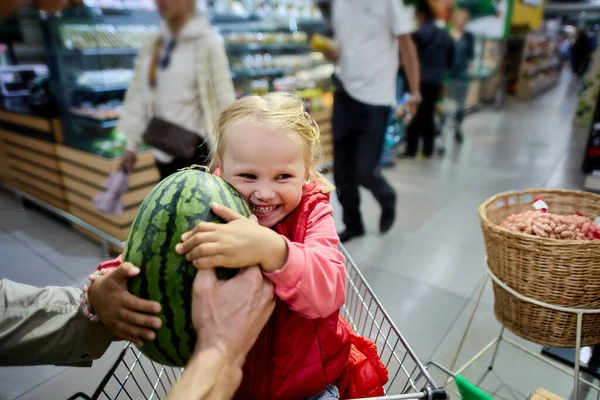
point(330, 392)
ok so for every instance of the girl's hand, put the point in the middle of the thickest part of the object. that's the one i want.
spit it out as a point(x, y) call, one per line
point(128, 316)
point(239, 243)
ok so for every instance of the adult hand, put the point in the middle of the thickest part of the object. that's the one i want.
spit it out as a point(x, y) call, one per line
point(231, 314)
point(128, 161)
point(128, 316)
point(412, 107)
point(332, 54)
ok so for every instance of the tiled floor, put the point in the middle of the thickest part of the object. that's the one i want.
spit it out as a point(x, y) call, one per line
point(426, 271)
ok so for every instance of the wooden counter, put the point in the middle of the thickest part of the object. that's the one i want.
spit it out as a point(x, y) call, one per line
point(28, 158)
point(34, 159)
point(83, 177)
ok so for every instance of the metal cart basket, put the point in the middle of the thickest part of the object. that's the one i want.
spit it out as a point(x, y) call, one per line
point(134, 377)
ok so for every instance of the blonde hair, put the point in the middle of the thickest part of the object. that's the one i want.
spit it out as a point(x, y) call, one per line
point(277, 109)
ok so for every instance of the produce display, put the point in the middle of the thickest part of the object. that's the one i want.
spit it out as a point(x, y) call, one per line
point(532, 64)
point(80, 36)
point(105, 77)
point(588, 95)
point(553, 226)
point(266, 38)
point(172, 208)
point(111, 110)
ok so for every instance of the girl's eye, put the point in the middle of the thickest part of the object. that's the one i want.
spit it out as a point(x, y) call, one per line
point(248, 176)
point(283, 176)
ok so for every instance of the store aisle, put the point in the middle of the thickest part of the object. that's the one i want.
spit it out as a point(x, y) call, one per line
point(426, 271)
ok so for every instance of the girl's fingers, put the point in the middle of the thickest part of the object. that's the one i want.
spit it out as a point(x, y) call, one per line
point(194, 241)
point(140, 319)
point(137, 333)
point(210, 262)
point(134, 303)
point(225, 212)
point(203, 250)
point(201, 227)
point(132, 339)
point(253, 218)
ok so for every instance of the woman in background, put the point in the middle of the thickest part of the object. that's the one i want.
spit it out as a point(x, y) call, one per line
point(181, 77)
point(436, 53)
point(464, 48)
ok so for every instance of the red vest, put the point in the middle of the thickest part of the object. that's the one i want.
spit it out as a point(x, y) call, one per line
point(295, 357)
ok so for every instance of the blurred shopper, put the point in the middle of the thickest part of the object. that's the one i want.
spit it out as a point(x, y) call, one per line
point(564, 47)
point(464, 50)
point(369, 35)
point(581, 53)
point(181, 83)
point(436, 55)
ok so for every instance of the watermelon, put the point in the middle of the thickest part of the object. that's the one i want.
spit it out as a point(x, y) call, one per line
point(176, 205)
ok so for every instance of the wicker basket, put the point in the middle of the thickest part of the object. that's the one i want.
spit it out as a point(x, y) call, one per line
point(559, 272)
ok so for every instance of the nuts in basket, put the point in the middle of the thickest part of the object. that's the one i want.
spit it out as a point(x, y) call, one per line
point(553, 226)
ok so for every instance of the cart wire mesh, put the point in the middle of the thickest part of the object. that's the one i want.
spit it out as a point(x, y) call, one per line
point(134, 377)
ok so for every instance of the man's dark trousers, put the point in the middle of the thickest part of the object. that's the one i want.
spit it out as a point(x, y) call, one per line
point(358, 133)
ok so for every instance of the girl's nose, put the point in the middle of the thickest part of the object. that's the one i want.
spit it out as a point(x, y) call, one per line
point(264, 192)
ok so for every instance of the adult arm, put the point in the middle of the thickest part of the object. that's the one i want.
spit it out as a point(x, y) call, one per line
point(136, 110)
point(221, 90)
point(210, 374)
point(229, 316)
point(313, 279)
point(402, 26)
point(40, 326)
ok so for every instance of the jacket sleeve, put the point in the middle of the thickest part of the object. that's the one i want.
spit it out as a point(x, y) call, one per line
point(220, 86)
point(313, 280)
point(41, 326)
point(110, 264)
point(136, 109)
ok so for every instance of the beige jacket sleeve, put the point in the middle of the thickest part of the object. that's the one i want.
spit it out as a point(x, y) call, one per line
point(42, 326)
point(220, 92)
point(136, 107)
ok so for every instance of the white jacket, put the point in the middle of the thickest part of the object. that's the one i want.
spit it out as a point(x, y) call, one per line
point(214, 84)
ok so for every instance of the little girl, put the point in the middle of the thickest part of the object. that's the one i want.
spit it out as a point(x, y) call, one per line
point(267, 148)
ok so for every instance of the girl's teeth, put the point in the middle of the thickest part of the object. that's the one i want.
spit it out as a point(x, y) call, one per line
point(262, 210)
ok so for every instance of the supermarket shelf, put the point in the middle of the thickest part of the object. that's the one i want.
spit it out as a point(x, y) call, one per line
point(104, 51)
point(542, 89)
point(270, 47)
point(538, 71)
point(101, 88)
point(537, 54)
point(99, 123)
point(260, 72)
point(527, 93)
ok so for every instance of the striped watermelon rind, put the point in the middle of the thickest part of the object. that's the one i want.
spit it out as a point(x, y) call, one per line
point(176, 205)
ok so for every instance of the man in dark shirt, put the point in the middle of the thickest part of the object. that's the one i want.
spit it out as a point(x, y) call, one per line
point(436, 55)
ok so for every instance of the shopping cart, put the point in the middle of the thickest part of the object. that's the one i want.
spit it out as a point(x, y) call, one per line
point(134, 377)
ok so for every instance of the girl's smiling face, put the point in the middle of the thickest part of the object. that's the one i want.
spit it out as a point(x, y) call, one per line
point(267, 166)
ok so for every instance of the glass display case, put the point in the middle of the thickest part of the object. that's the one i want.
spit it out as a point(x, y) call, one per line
point(92, 53)
point(267, 55)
